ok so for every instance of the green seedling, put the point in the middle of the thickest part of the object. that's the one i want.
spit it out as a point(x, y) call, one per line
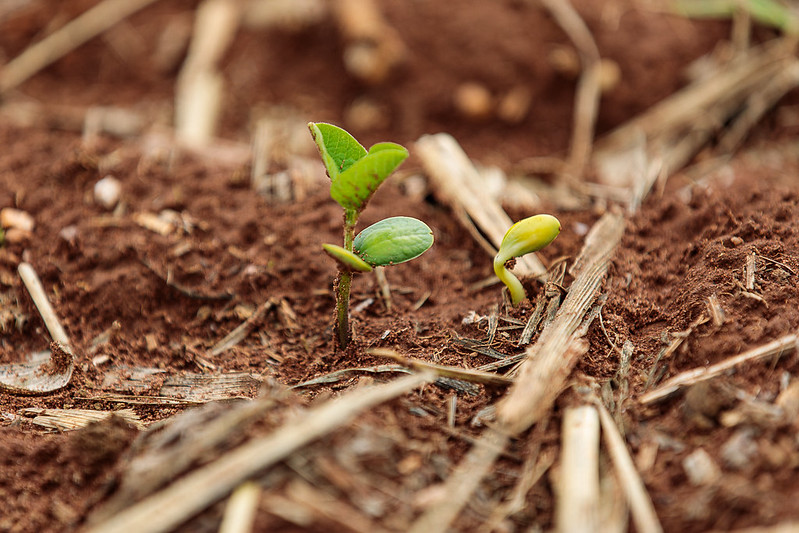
point(355, 174)
point(525, 236)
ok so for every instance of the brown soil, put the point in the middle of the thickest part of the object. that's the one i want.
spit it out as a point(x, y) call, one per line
point(168, 298)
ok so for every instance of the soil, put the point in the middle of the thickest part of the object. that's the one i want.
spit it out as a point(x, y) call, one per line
point(164, 299)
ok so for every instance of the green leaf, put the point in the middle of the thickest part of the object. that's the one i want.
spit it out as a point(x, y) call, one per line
point(379, 147)
point(339, 149)
point(349, 260)
point(353, 188)
point(393, 241)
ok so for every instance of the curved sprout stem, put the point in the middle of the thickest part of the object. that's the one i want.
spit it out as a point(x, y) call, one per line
point(515, 287)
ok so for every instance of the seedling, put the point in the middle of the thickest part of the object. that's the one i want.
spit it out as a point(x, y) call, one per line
point(525, 236)
point(355, 175)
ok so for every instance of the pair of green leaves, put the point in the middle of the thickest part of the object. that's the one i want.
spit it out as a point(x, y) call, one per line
point(355, 173)
point(388, 242)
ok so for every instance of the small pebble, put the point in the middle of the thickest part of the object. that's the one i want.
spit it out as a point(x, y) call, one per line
point(739, 450)
point(515, 105)
point(16, 219)
point(700, 468)
point(107, 192)
point(17, 236)
point(366, 114)
point(418, 411)
point(473, 101)
point(581, 228)
point(609, 75)
point(704, 401)
point(788, 401)
point(69, 234)
point(566, 62)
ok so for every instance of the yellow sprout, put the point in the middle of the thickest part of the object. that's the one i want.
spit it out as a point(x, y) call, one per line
point(525, 236)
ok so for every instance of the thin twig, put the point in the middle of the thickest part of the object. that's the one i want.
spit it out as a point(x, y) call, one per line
point(781, 265)
point(459, 184)
point(715, 310)
point(462, 482)
point(464, 374)
point(777, 348)
point(184, 498)
point(589, 91)
point(532, 324)
point(758, 104)
point(750, 268)
point(577, 508)
point(331, 509)
point(39, 297)
point(534, 468)
point(643, 511)
point(385, 288)
point(677, 340)
point(185, 291)
point(200, 85)
point(243, 329)
point(241, 508)
point(59, 43)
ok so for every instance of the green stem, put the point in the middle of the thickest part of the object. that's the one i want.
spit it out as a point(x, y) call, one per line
point(515, 287)
point(344, 282)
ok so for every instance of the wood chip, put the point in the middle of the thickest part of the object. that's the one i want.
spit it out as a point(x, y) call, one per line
point(463, 374)
point(210, 387)
point(199, 88)
point(715, 310)
point(749, 271)
point(641, 506)
point(16, 218)
point(189, 495)
point(457, 182)
point(577, 498)
point(70, 36)
point(240, 510)
point(240, 333)
point(778, 347)
point(45, 371)
point(71, 419)
point(154, 223)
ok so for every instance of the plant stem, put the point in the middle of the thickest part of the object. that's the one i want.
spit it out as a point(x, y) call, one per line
point(344, 282)
point(515, 286)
